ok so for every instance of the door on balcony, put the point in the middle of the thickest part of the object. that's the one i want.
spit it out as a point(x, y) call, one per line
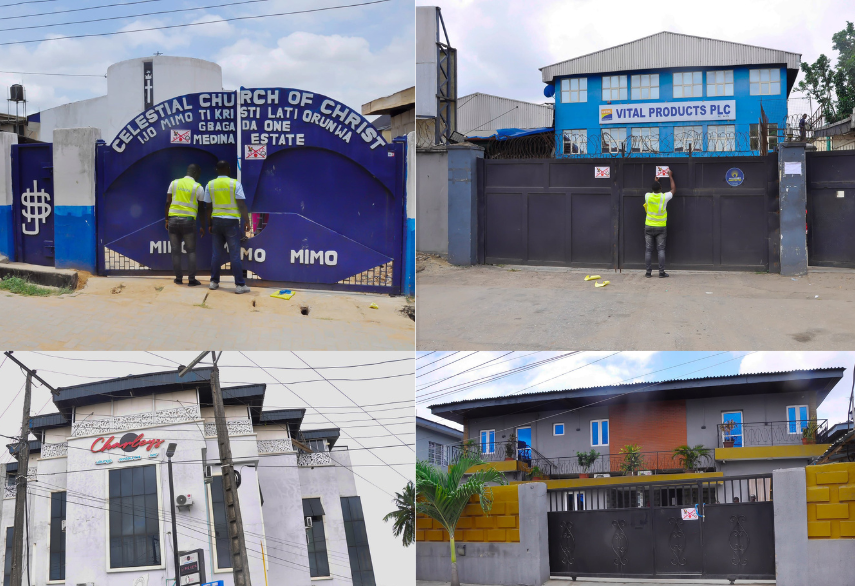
point(735, 432)
point(797, 419)
point(524, 444)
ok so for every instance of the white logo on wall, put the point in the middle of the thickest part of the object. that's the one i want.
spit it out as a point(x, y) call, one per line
point(141, 580)
point(35, 208)
point(179, 137)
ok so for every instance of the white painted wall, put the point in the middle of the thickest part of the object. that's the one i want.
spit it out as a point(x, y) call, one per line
point(173, 76)
point(7, 139)
point(426, 61)
point(322, 482)
point(74, 166)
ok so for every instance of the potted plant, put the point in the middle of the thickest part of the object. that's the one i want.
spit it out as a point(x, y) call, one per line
point(586, 460)
point(809, 432)
point(536, 473)
point(691, 457)
point(511, 448)
point(631, 459)
point(726, 429)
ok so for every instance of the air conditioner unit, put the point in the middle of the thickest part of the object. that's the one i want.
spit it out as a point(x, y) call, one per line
point(602, 475)
point(63, 524)
point(308, 522)
point(184, 500)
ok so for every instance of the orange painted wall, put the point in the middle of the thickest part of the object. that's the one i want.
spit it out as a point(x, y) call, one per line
point(655, 426)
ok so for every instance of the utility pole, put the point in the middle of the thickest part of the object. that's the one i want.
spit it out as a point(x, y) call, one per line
point(237, 543)
point(21, 494)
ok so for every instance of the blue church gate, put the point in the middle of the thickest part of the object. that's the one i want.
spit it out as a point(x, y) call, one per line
point(33, 203)
point(324, 190)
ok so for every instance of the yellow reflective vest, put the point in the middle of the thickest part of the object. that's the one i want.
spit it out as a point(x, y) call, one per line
point(222, 192)
point(184, 198)
point(656, 214)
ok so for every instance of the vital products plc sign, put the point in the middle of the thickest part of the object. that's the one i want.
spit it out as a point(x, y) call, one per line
point(667, 112)
point(128, 443)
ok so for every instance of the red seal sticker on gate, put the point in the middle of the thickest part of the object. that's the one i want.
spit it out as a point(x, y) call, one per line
point(258, 152)
point(661, 171)
point(602, 172)
point(179, 137)
point(689, 514)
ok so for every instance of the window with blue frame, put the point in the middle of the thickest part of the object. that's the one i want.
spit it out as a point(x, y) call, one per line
point(797, 418)
point(688, 84)
point(645, 87)
point(558, 429)
point(599, 432)
point(614, 87)
point(732, 427)
point(764, 82)
point(488, 441)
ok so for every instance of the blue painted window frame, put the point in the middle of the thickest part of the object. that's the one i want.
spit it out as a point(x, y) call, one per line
point(488, 440)
point(599, 432)
point(557, 429)
point(797, 418)
point(736, 432)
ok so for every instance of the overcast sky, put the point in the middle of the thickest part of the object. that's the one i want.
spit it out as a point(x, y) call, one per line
point(389, 400)
point(353, 55)
point(502, 43)
point(586, 369)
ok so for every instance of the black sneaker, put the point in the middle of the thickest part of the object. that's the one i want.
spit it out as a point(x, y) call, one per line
point(193, 283)
point(663, 274)
point(178, 281)
point(647, 274)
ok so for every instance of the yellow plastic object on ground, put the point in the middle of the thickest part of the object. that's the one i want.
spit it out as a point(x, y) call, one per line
point(603, 284)
point(373, 306)
point(592, 277)
point(283, 294)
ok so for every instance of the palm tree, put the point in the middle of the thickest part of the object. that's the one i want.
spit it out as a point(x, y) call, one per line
point(405, 515)
point(691, 457)
point(443, 496)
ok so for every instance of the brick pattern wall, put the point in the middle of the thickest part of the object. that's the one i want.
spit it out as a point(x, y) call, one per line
point(831, 501)
point(502, 525)
point(654, 425)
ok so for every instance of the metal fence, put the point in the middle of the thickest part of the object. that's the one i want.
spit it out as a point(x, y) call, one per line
point(644, 462)
point(533, 146)
point(632, 495)
point(772, 433)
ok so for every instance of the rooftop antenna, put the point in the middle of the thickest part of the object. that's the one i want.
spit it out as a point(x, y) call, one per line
point(158, 54)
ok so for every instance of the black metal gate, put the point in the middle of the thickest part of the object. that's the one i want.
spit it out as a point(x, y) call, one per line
point(831, 208)
point(565, 213)
point(640, 530)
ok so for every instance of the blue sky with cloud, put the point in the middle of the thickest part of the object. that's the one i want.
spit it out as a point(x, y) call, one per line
point(442, 377)
point(351, 54)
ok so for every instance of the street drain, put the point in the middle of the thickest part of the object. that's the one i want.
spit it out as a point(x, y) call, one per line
point(304, 310)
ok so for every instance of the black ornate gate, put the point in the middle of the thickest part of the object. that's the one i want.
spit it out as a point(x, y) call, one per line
point(640, 530)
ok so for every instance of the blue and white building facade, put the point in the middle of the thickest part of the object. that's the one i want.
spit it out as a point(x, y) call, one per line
point(98, 497)
point(670, 94)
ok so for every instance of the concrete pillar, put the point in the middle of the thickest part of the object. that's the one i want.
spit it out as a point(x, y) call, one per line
point(792, 189)
point(791, 540)
point(534, 534)
point(74, 197)
point(7, 226)
point(408, 274)
point(432, 201)
point(463, 204)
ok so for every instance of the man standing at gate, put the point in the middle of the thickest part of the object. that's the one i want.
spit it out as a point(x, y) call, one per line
point(182, 204)
point(227, 216)
point(654, 226)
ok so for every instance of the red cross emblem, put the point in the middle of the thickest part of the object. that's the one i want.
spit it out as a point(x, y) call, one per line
point(180, 137)
point(255, 152)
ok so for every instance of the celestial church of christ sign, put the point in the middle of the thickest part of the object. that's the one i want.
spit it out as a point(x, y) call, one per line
point(324, 189)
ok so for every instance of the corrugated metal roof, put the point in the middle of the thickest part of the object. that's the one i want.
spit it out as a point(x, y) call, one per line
point(331, 434)
point(48, 421)
point(282, 415)
point(666, 50)
point(439, 427)
point(481, 114)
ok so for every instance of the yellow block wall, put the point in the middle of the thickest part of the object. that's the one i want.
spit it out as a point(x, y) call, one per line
point(831, 501)
point(502, 525)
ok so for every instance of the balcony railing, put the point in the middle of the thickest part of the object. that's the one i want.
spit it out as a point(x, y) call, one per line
point(652, 462)
point(500, 452)
point(772, 433)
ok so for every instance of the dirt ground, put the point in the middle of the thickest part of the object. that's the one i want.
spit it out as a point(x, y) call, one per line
point(153, 313)
point(528, 308)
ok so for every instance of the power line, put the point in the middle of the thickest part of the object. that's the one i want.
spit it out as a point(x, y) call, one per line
point(79, 9)
point(459, 373)
point(189, 24)
point(25, 2)
point(56, 74)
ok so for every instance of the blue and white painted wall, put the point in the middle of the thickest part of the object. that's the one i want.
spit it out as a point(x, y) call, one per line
point(74, 195)
point(582, 102)
point(7, 232)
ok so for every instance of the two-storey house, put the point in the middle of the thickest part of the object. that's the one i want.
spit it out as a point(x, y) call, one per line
point(748, 423)
point(670, 94)
point(434, 440)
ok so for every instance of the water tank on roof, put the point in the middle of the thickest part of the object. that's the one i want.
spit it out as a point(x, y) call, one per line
point(17, 94)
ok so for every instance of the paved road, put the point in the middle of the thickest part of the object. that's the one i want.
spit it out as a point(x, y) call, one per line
point(530, 308)
point(152, 313)
point(628, 582)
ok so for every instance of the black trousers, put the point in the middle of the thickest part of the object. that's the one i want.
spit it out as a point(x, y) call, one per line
point(654, 236)
point(182, 229)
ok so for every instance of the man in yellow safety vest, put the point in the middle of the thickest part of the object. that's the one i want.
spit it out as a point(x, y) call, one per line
point(183, 199)
point(224, 223)
point(654, 226)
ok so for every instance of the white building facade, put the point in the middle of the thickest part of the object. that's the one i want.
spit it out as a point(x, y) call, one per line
point(98, 498)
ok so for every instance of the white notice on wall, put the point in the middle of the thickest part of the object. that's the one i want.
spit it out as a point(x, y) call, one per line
point(602, 172)
point(690, 514)
point(793, 168)
point(661, 171)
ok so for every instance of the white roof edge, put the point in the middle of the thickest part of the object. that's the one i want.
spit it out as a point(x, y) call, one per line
point(549, 72)
point(504, 98)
